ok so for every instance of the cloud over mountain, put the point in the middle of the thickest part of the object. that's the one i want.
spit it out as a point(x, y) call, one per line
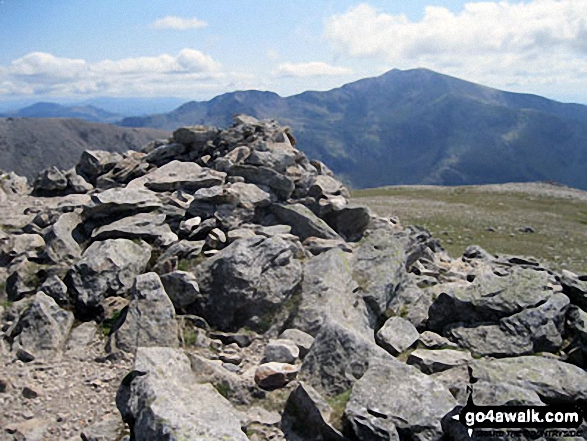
point(311, 69)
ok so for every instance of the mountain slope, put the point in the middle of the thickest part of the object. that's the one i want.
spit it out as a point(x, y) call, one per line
point(416, 127)
point(29, 145)
point(52, 110)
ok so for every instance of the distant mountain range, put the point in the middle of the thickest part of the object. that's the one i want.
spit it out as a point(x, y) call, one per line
point(29, 145)
point(416, 127)
point(406, 127)
point(52, 110)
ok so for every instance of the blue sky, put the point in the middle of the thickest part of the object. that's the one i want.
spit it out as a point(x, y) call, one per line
point(199, 49)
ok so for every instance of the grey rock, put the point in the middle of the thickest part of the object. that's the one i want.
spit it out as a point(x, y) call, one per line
point(249, 195)
point(457, 381)
point(325, 185)
point(147, 226)
point(281, 351)
point(349, 222)
point(61, 244)
point(278, 156)
point(491, 340)
point(338, 358)
point(94, 163)
point(34, 429)
point(122, 201)
point(106, 269)
point(81, 336)
point(396, 335)
point(150, 319)
point(478, 253)
point(181, 287)
point(327, 291)
point(107, 429)
point(184, 249)
point(412, 403)
point(434, 341)
point(160, 400)
point(50, 181)
point(577, 320)
point(194, 135)
point(28, 245)
point(176, 175)
point(552, 380)
point(503, 394)
point(165, 153)
point(303, 222)
point(13, 184)
point(308, 415)
point(302, 340)
point(575, 288)
point(56, 289)
point(317, 245)
point(431, 361)
point(280, 185)
point(76, 183)
point(274, 375)
point(42, 328)
point(247, 282)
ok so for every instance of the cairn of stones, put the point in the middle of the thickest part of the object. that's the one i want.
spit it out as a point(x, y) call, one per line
point(219, 285)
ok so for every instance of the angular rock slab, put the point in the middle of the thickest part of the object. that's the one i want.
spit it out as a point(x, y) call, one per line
point(42, 328)
point(303, 222)
point(431, 361)
point(161, 401)
point(393, 398)
point(247, 282)
point(106, 269)
point(147, 226)
point(122, 201)
point(181, 287)
point(396, 335)
point(150, 319)
point(176, 174)
point(552, 380)
point(61, 244)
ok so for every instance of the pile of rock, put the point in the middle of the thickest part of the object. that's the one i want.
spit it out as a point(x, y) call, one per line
point(255, 301)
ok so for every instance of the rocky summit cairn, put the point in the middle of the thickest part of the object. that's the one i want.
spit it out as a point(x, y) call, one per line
point(219, 285)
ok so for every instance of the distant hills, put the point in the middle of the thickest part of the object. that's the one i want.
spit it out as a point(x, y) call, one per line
point(416, 127)
point(29, 145)
point(403, 127)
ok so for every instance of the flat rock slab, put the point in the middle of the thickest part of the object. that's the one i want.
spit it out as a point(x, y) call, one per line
point(303, 222)
point(431, 361)
point(176, 174)
point(118, 201)
point(162, 400)
point(148, 226)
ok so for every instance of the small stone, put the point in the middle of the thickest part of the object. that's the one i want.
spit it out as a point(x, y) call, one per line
point(275, 375)
point(24, 356)
point(302, 340)
point(281, 351)
point(397, 335)
point(29, 393)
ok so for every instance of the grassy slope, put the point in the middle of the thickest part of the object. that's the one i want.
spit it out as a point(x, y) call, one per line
point(461, 216)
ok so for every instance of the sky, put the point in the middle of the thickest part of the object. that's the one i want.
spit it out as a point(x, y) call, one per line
point(198, 49)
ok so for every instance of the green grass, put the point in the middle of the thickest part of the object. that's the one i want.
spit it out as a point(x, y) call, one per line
point(338, 405)
point(463, 216)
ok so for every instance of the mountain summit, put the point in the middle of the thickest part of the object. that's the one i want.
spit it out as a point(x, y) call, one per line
point(416, 127)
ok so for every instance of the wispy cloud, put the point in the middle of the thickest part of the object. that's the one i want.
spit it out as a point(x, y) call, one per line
point(501, 43)
point(178, 23)
point(311, 69)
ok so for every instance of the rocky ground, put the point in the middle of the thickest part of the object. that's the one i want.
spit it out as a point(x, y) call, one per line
point(219, 285)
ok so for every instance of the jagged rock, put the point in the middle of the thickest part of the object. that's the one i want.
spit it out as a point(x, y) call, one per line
point(308, 415)
point(131, 167)
point(575, 288)
point(194, 135)
point(94, 163)
point(379, 267)
point(42, 328)
point(184, 249)
point(302, 340)
point(176, 175)
point(327, 291)
point(61, 243)
point(165, 153)
point(150, 318)
point(317, 245)
point(274, 375)
point(160, 400)
point(397, 335)
point(349, 222)
point(240, 233)
point(431, 361)
point(392, 398)
point(552, 380)
point(503, 394)
point(338, 358)
point(147, 226)
point(577, 320)
point(56, 289)
point(249, 195)
point(281, 351)
point(106, 269)
point(303, 222)
point(280, 185)
point(81, 336)
point(181, 287)
point(122, 201)
point(50, 181)
point(247, 282)
point(13, 184)
point(531, 330)
point(434, 341)
point(457, 381)
point(476, 252)
point(490, 297)
point(109, 428)
point(76, 183)
point(241, 339)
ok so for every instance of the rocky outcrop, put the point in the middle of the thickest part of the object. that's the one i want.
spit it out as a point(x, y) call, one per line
point(233, 272)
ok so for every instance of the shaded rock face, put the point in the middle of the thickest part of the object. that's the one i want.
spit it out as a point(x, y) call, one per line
point(237, 274)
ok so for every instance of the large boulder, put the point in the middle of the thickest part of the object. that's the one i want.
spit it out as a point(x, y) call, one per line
point(42, 328)
point(281, 185)
point(106, 269)
point(328, 291)
point(150, 318)
point(303, 222)
point(350, 222)
point(94, 163)
point(50, 181)
point(181, 287)
point(396, 335)
point(62, 245)
point(161, 400)
point(395, 401)
point(247, 282)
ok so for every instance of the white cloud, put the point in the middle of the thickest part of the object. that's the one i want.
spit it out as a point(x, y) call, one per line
point(504, 43)
point(46, 74)
point(178, 23)
point(311, 69)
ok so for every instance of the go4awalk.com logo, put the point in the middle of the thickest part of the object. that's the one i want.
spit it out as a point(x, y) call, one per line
point(551, 420)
